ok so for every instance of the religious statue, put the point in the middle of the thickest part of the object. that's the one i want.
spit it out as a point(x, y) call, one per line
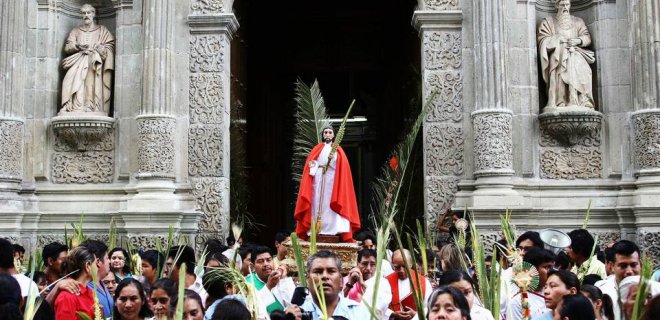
point(326, 194)
point(562, 40)
point(87, 83)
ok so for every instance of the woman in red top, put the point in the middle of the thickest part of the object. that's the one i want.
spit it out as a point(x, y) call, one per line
point(68, 305)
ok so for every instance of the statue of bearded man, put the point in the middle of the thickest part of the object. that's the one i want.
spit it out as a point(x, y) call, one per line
point(87, 83)
point(562, 40)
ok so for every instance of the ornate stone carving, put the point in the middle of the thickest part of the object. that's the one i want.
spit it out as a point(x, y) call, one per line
point(146, 241)
point(83, 133)
point(606, 237)
point(205, 151)
point(207, 53)
point(44, 239)
point(440, 193)
point(493, 141)
point(649, 242)
point(442, 50)
point(11, 144)
point(447, 103)
point(571, 128)
point(206, 98)
point(347, 253)
point(441, 4)
point(207, 7)
point(571, 163)
point(156, 146)
point(210, 195)
point(444, 150)
point(647, 139)
point(83, 167)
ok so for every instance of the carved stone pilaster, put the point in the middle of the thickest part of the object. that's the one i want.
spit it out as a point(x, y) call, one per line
point(646, 126)
point(156, 134)
point(211, 196)
point(11, 144)
point(439, 4)
point(199, 7)
point(493, 142)
point(649, 242)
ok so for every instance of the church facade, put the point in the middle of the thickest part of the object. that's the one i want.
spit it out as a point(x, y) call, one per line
point(164, 157)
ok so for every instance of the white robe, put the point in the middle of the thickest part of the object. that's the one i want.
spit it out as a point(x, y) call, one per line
point(331, 222)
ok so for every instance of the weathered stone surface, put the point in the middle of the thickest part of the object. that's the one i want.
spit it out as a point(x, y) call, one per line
point(83, 167)
point(207, 98)
point(571, 163)
point(444, 147)
point(647, 139)
point(441, 4)
point(205, 151)
point(207, 53)
point(493, 143)
point(198, 7)
point(11, 144)
point(155, 142)
point(211, 194)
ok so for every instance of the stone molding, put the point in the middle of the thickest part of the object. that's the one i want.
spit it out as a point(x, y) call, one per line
point(11, 144)
point(646, 135)
point(439, 4)
point(447, 20)
point(225, 23)
point(493, 142)
point(571, 128)
point(204, 7)
point(156, 141)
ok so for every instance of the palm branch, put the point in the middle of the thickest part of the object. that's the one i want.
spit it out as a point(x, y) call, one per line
point(642, 288)
point(311, 118)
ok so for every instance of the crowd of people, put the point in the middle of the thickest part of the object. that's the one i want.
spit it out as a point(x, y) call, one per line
point(100, 282)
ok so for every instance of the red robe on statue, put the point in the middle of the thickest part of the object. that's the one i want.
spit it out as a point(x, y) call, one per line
point(342, 201)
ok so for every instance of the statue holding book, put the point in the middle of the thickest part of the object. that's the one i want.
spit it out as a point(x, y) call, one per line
point(326, 199)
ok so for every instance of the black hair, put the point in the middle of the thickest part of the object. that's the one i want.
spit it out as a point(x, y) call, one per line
point(96, 247)
point(369, 235)
point(562, 260)
point(214, 246)
point(652, 309)
point(538, 256)
point(460, 302)
point(323, 254)
point(591, 279)
point(18, 248)
point(186, 255)
point(625, 248)
point(532, 236)
point(244, 250)
point(221, 258)
point(365, 253)
point(144, 309)
point(38, 275)
point(257, 250)
point(154, 258)
point(281, 236)
point(10, 296)
point(581, 242)
point(52, 251)
point(127, 259)
point(6, 254)
point(231, 309)
point(215, 284)
point(192, 295)
point(171, 289)
point(328, 127)
point(453, 276)
point(569, 279)
point(498, 250)
point(594, 293)
point(576, 307)
point(231, 240)
point(609, 254)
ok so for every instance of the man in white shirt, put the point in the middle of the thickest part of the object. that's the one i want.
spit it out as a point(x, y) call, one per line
point(627, 262)
point(275, 289)
point(7, 266)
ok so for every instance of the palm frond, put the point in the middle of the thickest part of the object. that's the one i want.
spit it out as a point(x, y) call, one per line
point(178, 314)
point(311, 117)
point(586, 216)
point(300, 262)
point(112, 233)
point(642, 288)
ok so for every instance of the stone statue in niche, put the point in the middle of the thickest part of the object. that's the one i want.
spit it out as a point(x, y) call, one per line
point(87, 83)
point(562, 40)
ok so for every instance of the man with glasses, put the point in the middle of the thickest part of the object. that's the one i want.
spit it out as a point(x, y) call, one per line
point(355, 282)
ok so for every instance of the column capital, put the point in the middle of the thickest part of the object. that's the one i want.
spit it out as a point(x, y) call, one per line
point(437, 20)
point(218, 23)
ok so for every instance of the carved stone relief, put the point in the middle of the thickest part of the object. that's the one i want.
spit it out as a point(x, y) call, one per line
point(441, 4)
point(440, 193)
point(207, 53)
point(571, 163)
point(604, 238)
point(442, 50)
point(210, 195)
point(447, 102)
point(45, 239)
point(11, 144)
point(206, 98)
point(90, 140)
point(443, 150)
point(493, 145)
point(647, 140)
point(83, 167)
point(207, 7)
point(205, 151)
point(156, 146)
point(649, 242)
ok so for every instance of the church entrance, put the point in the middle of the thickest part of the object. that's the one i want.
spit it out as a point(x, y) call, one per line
point(364, 50)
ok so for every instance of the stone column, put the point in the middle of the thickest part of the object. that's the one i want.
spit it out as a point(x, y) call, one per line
point(12, 121)
point(439, 24)
point(492, 119)
point(646, 122)
point(212, 25)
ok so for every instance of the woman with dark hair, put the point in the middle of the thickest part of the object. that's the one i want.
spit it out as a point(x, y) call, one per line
point(448, 303)
point(192, 306)
point(67, 305)
point(602, 303)
point(559, 284)
point(231, 310)
point(461, 280)
point(10, 298)
point(130, 301)
point(120, 263)
point(163, 295)
point(152, 265)
point(574, 307)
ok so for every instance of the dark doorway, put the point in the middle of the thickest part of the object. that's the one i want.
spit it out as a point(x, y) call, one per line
point(365, 50)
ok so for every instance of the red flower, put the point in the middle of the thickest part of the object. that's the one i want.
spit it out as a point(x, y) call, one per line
point(394, 163)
